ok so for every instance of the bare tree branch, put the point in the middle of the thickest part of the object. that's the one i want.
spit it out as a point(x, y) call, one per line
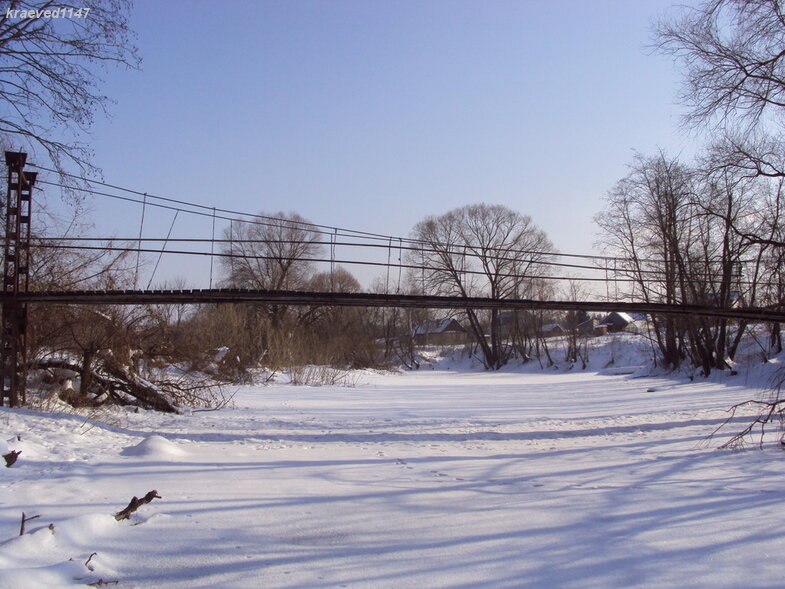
point(48, 79)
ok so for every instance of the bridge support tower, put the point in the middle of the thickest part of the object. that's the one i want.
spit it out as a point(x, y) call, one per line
point(16, 277)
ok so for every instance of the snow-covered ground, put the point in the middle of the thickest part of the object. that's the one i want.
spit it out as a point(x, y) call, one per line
point(432, 478)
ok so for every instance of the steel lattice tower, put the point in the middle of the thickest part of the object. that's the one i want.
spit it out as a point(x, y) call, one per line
point(16, 278)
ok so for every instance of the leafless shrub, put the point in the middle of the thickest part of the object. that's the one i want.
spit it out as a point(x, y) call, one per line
point(323, 375)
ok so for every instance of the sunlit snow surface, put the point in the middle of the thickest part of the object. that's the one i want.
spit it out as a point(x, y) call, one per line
point(433, 478)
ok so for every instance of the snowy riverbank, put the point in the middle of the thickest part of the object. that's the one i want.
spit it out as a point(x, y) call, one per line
point(433, 478)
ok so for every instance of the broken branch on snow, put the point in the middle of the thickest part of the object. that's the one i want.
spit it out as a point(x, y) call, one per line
point(135, 504)
point(26, 519)
point(11, 457)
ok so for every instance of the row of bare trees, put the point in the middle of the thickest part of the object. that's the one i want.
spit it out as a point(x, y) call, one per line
point(682, 235)
point(711, 231)
point(479, 250)
point(707, 232)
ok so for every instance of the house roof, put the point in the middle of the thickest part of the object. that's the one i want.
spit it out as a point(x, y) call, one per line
point(617, 317)
point(446, 325)
point(625, 316)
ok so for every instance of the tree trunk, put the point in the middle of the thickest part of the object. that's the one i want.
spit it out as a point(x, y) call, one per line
point(144, 391)
point(86, 374)
point(776, 337)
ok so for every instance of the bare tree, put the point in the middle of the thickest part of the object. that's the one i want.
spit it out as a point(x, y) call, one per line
point(481, 250)
point(681, 235)
point(271, 253)
point(337, 280)
point(578, 327)
point(733, 53)
point(49, 51)
point(644, 224)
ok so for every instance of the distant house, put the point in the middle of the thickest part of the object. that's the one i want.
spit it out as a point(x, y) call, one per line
point(510, 322)
point(592, 327)
point(551, 330)
point(618, 321)
point(440, 332)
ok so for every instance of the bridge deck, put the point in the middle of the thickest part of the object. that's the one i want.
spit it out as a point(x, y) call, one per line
point(221, 295)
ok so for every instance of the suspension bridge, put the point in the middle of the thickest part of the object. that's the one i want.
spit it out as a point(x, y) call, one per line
point(295, 241)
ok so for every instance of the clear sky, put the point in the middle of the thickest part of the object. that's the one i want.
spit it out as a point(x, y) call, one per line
point(374, 114)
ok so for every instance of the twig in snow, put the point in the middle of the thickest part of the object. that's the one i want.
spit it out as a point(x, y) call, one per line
point(135, 504)
point(26, 519)
point(87, 562)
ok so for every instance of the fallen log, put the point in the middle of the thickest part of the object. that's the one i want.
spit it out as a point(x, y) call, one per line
point(147, 393)
point(109, 386)
point(117, 382)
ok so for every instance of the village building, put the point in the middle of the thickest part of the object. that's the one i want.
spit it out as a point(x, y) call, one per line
point(618, 321)
point(551, 330)
point(440, 332)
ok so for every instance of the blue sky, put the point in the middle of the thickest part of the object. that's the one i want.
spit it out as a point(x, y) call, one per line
point(373, 115)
